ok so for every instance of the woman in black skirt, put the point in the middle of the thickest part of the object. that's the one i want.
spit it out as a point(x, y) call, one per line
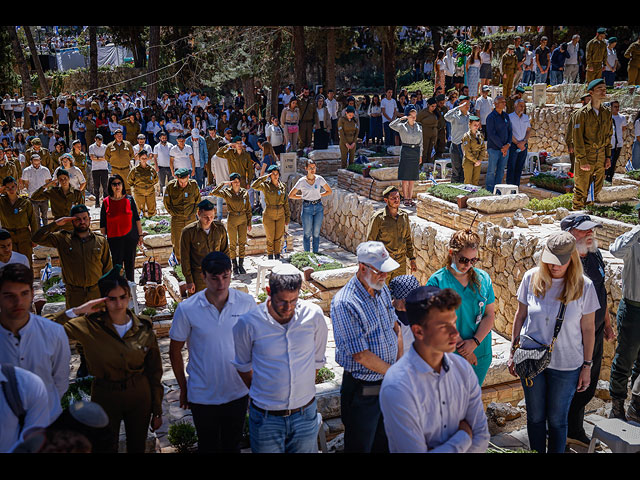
point(322, 127)
point(410, 133)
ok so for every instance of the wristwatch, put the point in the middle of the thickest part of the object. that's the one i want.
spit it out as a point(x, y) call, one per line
point(587, 363)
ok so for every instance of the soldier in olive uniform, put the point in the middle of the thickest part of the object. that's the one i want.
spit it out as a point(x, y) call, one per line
point(508, 67)
point(54, 157)
point(144, 178)
point(199, 238)
point(123, 357)
point(348, 134)
point(61, 195)
point(568, 134)
point(119, 154)
point(239, 160)
point(133, 128)
point(45, 155)
point(308, 117)
point(80, 159)
point(474, 151)
point(238, 218)
point(592, 144)
point(596, 54)
point(511, 99)
point(277, 215)
point(90, 128)
point(214, 142)
point(181, 197)
point(18, 216)
point(84, 254)
point(633, 68)
point(441, 109)
point(391, 226)
point(428, 118)
point(7, 167)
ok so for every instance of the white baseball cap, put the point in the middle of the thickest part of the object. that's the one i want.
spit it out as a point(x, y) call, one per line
point(374, 254)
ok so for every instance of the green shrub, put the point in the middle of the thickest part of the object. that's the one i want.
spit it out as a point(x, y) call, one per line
point(178, 271)
point(182, 435)
point(262, 297)
point(149, 311)
point(449, 192)
point(173, 306)
point(634, 174)
point(623, 213)
point(551, 204)
point(324, 375)
point(319, 263)
point(551, 182)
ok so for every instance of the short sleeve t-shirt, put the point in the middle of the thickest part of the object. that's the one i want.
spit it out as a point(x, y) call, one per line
point(541, 320)
point(181, 157)
point(310, 193)
point(63, 115)
point(542, 53)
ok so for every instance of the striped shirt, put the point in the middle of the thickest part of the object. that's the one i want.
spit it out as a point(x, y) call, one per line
point(362, 322)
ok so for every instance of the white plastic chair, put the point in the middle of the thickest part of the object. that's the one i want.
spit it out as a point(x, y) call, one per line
point(618, 435)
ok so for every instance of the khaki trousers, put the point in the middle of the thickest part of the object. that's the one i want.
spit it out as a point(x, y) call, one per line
point(237, 230)
point(177, 225)
point(582, 179)
point(146, 202)
point(594, 74)
point(273, 220)
point(471, 173)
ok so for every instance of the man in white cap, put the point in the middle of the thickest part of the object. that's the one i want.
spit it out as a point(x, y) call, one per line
point(279, 348)
point(368, 341)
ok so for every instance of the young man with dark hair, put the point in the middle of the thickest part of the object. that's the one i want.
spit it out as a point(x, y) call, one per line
point(279, 348)
point(7, 255)
point(214, 392)
point(29, 341)
point(417, 418)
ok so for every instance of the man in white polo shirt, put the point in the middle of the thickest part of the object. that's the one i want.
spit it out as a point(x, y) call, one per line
point(214, 391)
point(161, 155)
point(99, 168)
point(181, 156)
point(141, 145)
point(279, 348)
point(33, 177)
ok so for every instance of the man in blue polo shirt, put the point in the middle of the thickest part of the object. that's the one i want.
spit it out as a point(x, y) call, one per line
point(499, 135)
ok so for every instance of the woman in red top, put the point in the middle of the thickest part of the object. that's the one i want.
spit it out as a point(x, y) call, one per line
point(120, 222)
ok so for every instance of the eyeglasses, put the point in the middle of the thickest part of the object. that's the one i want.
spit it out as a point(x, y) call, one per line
point(116, 184)
point(375, 272)
point(465, 260)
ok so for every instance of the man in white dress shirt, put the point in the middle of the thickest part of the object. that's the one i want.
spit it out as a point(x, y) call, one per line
point(280, 346)
point(214, 391)
point(29, 341)
point(431, 400)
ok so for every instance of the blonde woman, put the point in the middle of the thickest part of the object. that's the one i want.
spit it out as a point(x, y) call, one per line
point(76, 178)
point(476, 313)
point(557, 280)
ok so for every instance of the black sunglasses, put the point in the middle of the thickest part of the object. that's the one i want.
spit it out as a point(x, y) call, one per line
point(465, 260)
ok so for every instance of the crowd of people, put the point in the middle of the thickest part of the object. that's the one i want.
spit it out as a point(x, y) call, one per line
point(394, 338)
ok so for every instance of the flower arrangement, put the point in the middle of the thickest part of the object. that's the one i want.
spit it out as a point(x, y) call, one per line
point(463, 51)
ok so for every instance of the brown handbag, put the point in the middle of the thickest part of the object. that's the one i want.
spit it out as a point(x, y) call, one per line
point(155, 295)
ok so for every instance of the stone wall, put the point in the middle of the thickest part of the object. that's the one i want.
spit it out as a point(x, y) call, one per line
point(548, 126)
point(506, 253)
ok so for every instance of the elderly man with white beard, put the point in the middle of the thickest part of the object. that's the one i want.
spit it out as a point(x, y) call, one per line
point(581, 227)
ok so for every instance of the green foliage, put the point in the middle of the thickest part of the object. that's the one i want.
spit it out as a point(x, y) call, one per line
point(76, 389)
point(319, 263)
point(182, 435)
point(634, 174)
point(262, 297)
point(178, 272)
point(450, 192)
point(551, 204)
point(173, 306)
point(359, 167)
point(551, 182)
point(324, 375)
point(50, 282)
point(149, 311)
point(623, 212)
point(425, 86)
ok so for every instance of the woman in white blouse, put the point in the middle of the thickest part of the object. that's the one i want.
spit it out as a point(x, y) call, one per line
point(557, 281)
point(310, 189)
point(76, 178)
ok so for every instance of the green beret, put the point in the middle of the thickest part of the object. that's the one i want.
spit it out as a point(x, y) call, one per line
point(36, 141)
point(350, 109)
point(602, 30)
point(272, 168)
point(112, 274)
point(585, 96)
point(182, 172)
point(235, 139)
point(595, 83)
point(520, 89)
point(80, 208)
point(62, 171)
point(234, 175)
point(389, 189)
point(473, 118)
point(7, 180)
point(463, 97)
point(613, 40)
point(206, 205)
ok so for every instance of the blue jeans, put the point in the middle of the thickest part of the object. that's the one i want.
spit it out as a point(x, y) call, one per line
point(200, 176)
point(495, 169)
point(312, 215)
point(609, 78)
point(297, 433)
point(388, 134)
point(527, 77)
point(541, 77)
point(252, 140)
point(635, 155)
point(457, 173)
point(556, 77)
point(515, 164)
point(219, 206)
point(548, 401)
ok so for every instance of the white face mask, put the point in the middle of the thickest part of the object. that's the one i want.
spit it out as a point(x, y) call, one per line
point(455, 268)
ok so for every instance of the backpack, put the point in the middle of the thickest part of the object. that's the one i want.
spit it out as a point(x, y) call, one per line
point(154, 295)
point(151, 272)
point(10, 390)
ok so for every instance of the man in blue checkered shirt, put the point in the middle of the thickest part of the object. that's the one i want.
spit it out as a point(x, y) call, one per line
point(368, 341)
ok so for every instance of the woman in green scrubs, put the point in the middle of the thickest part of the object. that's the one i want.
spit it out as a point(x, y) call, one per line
point(476, 313)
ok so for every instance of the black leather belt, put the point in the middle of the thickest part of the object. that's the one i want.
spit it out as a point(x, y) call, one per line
point(311, 202)
point(409, 145)
point(281, 413)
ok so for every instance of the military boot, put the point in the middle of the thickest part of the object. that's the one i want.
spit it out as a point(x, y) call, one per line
point(235, 267)
point(617, 409)
point(633, 412)
point(241, 267)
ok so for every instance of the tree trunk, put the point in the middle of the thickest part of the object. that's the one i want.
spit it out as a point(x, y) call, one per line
point(93, 58)
point(548, 31)
point(27, 88)
point(436, 38)
point(275, 75)
point(248, 91)
point(154, 57)
point(331, 61)
point(44, 85)
point(388, 40)
point(300, 53)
